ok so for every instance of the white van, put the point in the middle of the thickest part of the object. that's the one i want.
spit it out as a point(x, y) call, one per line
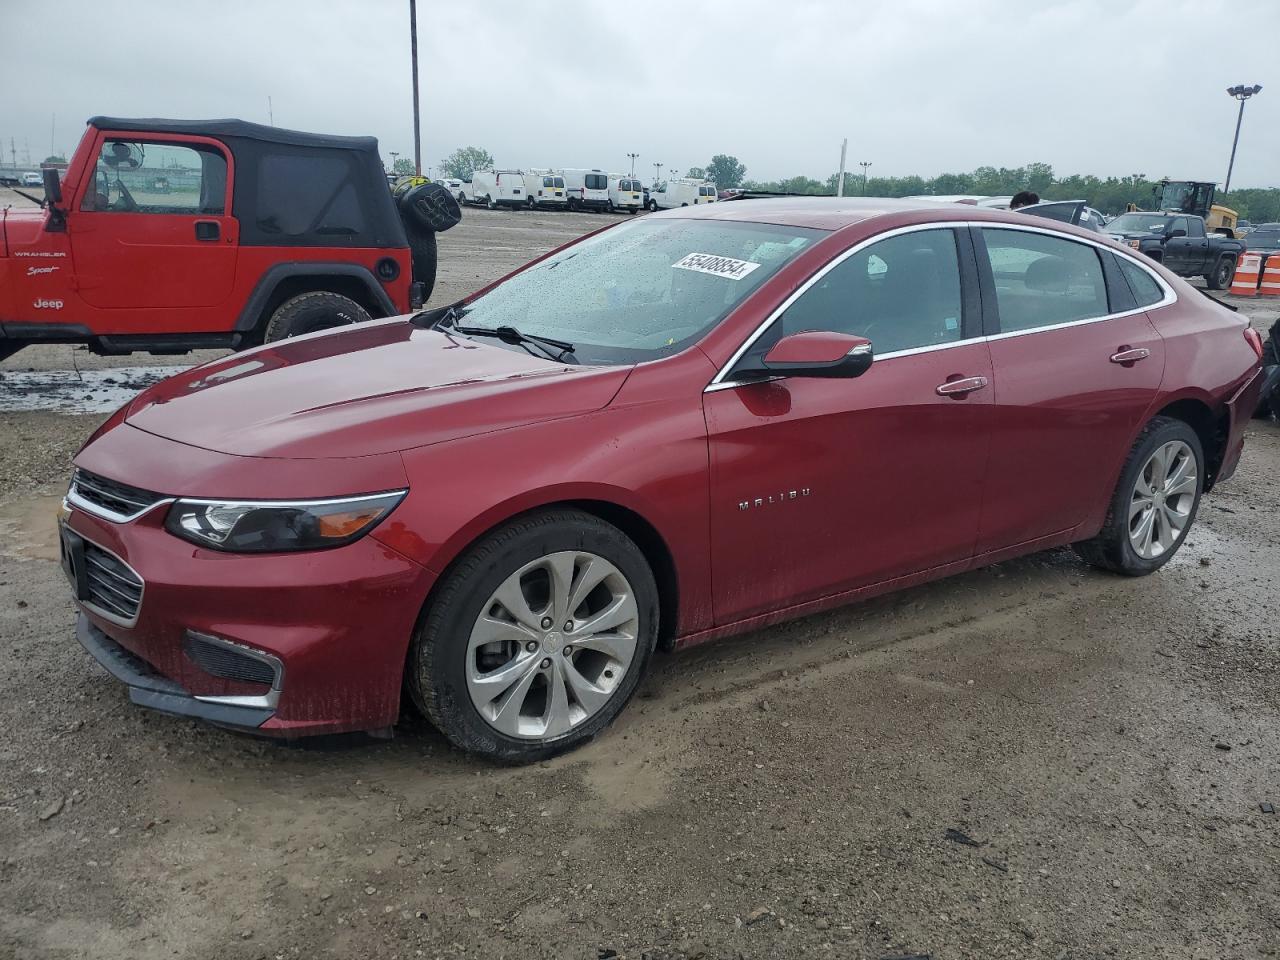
point(498, 188)
point(681, 192)
point(586, 189)
point(545, 188)
point(625, 193)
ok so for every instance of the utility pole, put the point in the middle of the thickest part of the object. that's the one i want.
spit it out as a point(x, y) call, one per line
point(1241, 93)
point(657, 172)
point(633, 157)
point(844, 146)
point(53, 134)
point(864, 164)
point(271, 114)
point(394, 155)
point(413, 53)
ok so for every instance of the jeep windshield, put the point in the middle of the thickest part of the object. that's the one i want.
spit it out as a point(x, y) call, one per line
point(1138, 223)
point(638, 291)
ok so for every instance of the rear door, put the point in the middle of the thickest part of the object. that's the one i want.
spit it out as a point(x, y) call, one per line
point(822, 486)
point(1077, 364)
point(152, 227)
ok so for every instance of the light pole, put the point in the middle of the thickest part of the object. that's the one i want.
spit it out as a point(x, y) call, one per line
point(1241, 93)
point(394, 156)
point(633, 157)
point(413, 54)
point(657, 172)
point(864, 164)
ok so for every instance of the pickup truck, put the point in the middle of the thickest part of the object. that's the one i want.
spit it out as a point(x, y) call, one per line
point(1181, 243)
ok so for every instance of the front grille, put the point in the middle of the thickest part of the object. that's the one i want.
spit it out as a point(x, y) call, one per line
point(118, 499)
point(113, 586)
point(222, 660)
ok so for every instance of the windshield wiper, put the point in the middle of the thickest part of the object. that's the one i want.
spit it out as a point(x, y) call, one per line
point(558, 350)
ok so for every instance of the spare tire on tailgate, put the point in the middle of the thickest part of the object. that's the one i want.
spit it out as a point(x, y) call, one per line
point(430, 205)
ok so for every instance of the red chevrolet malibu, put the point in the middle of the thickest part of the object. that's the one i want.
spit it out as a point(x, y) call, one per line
point(686, 426)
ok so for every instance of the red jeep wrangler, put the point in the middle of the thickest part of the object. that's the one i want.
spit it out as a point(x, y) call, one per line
point(173, 235)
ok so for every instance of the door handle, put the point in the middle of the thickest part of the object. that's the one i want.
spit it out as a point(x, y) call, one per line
point(207, 230)
point(1130, 355)
point(961, 388)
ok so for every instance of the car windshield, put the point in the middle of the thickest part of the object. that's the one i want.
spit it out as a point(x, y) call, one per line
point(642, 290)
point(1138, 223)
point(1263, 240)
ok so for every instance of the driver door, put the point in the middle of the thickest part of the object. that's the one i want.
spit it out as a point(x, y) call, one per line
point(150, 226)
point(823, 486)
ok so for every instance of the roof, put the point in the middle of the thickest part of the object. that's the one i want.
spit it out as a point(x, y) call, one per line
point(234, 128)
point(832, 213)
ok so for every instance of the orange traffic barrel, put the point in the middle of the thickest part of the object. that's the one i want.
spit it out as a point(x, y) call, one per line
point(1248, 273)
point(1270, 285)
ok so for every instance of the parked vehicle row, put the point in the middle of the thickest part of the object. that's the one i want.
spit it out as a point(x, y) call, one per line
point(577, 189)
point(769, 409)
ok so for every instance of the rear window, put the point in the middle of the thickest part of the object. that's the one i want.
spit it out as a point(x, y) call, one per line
point(596, 181)
point(548, 181)
point(1145, 289)
point(706, 191)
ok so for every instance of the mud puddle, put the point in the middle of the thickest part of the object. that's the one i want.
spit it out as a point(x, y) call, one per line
point(70, 391)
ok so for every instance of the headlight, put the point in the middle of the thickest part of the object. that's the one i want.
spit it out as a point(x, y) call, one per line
point(273, 526)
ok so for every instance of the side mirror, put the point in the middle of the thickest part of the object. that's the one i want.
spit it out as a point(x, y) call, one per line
point(814, 353)
point(1176, 233)
point(52, 186)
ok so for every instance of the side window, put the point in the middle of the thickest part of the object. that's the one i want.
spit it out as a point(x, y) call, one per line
point(1042, 281)
point(1145, 289)
point(900, 293)
point(136, 177)
point(1179, 223)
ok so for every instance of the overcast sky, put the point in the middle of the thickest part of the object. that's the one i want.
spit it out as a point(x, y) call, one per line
point(918, 86)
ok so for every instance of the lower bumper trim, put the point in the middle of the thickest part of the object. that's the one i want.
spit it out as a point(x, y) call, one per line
point(155, 692)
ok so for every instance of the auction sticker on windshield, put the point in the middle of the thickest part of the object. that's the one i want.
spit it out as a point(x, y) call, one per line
point(716, 266)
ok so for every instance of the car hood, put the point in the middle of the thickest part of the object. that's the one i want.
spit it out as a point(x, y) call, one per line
point(376, 388)
point(21, 227)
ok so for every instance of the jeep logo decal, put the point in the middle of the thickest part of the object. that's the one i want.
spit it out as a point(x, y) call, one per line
point(43, 304)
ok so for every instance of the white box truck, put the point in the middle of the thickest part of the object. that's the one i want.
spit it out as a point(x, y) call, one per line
point(625, 193)
point(498, 188)
point(681, 192)
point(586, 189)
point(545, 188)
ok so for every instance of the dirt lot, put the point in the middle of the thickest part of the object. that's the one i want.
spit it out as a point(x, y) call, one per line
point(1031, 760)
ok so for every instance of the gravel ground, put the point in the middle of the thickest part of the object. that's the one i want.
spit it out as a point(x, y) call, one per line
point(1030, 760)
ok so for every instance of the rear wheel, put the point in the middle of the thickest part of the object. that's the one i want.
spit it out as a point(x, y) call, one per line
point(488, 202)
point(537, 639)
point(1224, 271)
point(1154, 503)
point(309, 312)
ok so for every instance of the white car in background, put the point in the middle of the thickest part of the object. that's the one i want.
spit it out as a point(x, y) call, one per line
point(498, 188)
point(545, 188)
point(32, 179)
point(682, 192)
point(586, 189)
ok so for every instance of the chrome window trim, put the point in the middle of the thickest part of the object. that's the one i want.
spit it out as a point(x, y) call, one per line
point(266, 701)
point(322, 502)
point(107, 614)
point(720, 381)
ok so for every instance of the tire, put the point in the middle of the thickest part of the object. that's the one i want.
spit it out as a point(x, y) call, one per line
point(461, 198)
point(633, 210)
point(1113, 548)
point(488, 202)
point(431, 207)
point(653, 206)
point(309, 312)
point(422, 251)
point(1223, 272)
point(443, 654)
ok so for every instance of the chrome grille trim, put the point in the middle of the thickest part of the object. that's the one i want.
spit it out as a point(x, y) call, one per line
point(110, 499)
point(115, 588)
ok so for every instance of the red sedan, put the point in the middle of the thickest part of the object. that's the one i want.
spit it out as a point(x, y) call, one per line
point(682, 427)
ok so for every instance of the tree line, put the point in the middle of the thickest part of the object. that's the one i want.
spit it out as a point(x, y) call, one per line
point(1109, 194)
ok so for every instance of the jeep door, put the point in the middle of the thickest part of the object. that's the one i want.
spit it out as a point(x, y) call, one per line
point(819, 486)
point(151, 225)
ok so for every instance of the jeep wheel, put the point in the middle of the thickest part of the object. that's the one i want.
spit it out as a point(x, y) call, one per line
point(1224, 271)
point(309, 312)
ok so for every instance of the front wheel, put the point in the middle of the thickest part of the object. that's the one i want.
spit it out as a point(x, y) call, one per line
point(488, 202)
point(653, 206)
point(1154, 503)
point(537, 639)
point(1224, 271)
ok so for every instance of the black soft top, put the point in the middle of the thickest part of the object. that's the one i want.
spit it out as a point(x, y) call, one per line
point(240, 129)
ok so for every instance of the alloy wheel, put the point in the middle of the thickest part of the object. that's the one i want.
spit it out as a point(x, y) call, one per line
point(552, 645)
point(1164, 495)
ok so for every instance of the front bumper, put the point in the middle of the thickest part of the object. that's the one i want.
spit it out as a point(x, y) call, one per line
point(337, 624)
point(147, 688)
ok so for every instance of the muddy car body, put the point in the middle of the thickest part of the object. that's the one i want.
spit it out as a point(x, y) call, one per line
point(687, 435)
